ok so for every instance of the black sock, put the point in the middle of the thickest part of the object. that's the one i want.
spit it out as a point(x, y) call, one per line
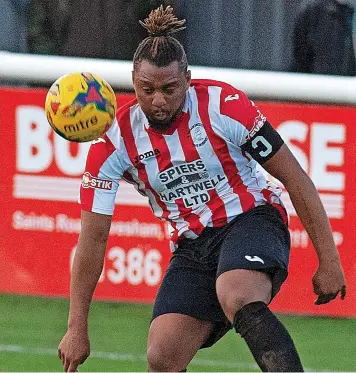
point(268, 340)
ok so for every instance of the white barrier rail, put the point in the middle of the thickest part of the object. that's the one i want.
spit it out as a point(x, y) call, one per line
point(259, 84)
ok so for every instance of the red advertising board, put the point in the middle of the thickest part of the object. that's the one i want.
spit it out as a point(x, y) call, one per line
point(323, 140)
point(40, 175)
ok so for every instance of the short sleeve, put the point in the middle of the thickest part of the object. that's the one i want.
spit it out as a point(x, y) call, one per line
point(248, 127)
point(101, 177)
point(242, 117)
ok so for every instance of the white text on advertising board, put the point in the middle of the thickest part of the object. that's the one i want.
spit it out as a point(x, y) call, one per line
point(37, 152)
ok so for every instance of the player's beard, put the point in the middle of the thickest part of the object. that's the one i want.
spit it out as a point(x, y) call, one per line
point(162, 126)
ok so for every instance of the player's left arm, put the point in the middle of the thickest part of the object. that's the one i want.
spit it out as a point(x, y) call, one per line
point(250, 130)
point(329, 279)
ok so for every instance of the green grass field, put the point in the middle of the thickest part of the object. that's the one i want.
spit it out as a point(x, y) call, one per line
point(30, 329)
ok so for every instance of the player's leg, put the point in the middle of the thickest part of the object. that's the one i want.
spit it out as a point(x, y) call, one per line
point(244, 295)
point(173, 340)
point(186, 314)
point(239, 287)
point(253, 265)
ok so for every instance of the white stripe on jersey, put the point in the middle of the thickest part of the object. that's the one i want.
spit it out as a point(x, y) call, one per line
point(143, 145)
point(103, 198)
point(114, 134)
point(252, 178)
point(226, 193)
point(177, 157)
point(194, 175)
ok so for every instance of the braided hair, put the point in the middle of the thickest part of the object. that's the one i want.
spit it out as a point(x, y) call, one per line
point(160, 48)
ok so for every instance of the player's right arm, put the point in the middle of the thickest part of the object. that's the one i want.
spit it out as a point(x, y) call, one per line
point(87, 266)
point(106, 163)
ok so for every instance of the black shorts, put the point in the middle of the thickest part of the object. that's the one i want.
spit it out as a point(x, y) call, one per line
point(257, 240)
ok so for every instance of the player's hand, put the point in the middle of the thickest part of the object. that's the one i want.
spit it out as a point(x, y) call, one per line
point(329, 281)
point(73, 349)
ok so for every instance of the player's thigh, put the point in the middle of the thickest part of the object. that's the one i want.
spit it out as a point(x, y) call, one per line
point(253, 259)
point(188, 288)
point(174, 339)
point(239, 287)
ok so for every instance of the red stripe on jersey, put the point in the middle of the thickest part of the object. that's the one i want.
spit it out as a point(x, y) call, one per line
point(215, 203)
point(128, 177)
point(190, 152)
point(238, 106)
point(186, 212)
point(128, 137)
point(158, 142)
point(97, 155)
point(222, 152)
point(164, 162)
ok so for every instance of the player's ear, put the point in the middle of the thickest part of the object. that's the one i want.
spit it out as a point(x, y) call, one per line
point(188, 77)
point(133, 76)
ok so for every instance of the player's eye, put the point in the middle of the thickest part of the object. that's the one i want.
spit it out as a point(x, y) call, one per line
point(168, 90)
point(147, 90)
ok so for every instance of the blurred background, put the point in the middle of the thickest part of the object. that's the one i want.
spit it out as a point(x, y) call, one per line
point(294, 58)
point(244, 34)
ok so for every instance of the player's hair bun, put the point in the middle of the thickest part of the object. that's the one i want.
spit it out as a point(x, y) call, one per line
point(162, 22)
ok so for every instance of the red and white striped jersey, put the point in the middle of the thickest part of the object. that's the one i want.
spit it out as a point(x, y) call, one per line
point(195, 174)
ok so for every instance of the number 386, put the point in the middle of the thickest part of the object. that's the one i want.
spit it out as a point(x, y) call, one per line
point(136, 266)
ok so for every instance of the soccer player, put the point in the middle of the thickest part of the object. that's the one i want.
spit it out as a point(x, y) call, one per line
point(193, 148)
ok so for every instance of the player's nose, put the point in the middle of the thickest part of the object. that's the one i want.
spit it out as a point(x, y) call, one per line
point(158, 100)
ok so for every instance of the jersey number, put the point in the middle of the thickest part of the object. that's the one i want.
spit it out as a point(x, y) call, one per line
point(267, 145)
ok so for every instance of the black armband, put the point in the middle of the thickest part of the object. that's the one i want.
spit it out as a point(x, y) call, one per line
point(264, 144)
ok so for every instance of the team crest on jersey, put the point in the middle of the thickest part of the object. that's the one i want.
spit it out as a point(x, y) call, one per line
point(198, 134)
point(89, 181)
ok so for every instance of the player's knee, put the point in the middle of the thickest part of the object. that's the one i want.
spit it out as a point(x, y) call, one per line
point(163, 358)
point(232, 303)
point(236, 289)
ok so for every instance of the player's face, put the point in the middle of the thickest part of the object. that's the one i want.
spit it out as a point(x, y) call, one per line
point(160, 91)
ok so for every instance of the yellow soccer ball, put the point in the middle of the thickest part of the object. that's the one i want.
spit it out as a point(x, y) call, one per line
point(80, 107)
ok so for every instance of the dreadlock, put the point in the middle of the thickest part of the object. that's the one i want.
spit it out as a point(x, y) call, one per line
point(160, 48)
